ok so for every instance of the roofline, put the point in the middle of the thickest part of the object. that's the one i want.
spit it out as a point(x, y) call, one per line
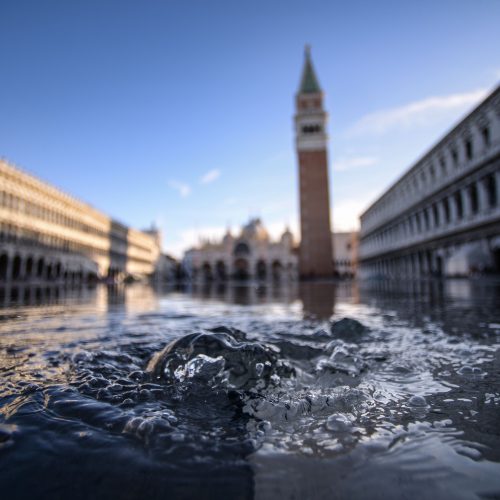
point(64, 195)
point(429, 152)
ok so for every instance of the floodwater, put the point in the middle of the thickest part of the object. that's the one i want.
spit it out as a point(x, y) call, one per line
point(385, 390)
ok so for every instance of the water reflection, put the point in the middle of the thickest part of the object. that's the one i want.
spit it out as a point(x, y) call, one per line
point(25, 295)
point(244, 294)
point(318, 299)
point(412, 298)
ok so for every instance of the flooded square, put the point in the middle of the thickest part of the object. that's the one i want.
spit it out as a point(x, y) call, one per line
point(315, 390)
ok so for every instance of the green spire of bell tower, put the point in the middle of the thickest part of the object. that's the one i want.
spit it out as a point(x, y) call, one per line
point(309, 83)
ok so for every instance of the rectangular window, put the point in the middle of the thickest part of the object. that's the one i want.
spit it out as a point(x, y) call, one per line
point(485, 133)
point(491, 189)
point(474, 199)
point(468, 149)
point(442, 164)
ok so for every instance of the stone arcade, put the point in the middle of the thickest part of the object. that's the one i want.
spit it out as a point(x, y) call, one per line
point(442, 217)
point(49, 236)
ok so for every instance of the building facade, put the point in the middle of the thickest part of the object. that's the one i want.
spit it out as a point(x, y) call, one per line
point(47, 235)
point(345, 251)
point(249, 255)
point(442, 217)
point(315, 251)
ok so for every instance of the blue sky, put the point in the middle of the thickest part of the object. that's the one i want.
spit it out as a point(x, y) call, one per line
point(180, 112)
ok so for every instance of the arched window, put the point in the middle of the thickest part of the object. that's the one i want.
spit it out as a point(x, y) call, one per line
point(241, 249)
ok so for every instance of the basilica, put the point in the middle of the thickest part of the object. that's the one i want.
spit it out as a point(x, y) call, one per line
point(248, 255)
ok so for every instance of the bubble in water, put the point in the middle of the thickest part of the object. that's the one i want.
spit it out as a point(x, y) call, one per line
point(473, 371)
point(417, 401)
point(344, 359)
point(201, 367)
point(243, 365)
point(339, 422)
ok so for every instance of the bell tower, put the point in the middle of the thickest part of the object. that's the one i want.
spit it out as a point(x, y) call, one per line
point(315, 253)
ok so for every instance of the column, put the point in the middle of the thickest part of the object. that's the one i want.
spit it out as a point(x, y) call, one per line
point(497, 186)
point(453, 209)
point(482, 195)
point(416, 265)
point(430, 214)
point(466, 202)
point(442, 216)
point(423, 263)
point(22, 267)
point(10, 267)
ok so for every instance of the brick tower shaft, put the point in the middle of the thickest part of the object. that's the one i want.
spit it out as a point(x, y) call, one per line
point(316, 256)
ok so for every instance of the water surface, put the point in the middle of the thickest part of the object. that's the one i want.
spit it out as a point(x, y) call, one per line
point(266, 392)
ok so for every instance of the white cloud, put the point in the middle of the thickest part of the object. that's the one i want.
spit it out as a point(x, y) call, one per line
point(417, 113)
point(277, 228)
point(345, 214)
point(343, 164)
point(182, 188)
point(210, 176)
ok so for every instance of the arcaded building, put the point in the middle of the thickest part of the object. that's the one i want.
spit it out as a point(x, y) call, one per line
point(311, 139)
point(248, 255)
point(442, 217)
point(47, 235)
